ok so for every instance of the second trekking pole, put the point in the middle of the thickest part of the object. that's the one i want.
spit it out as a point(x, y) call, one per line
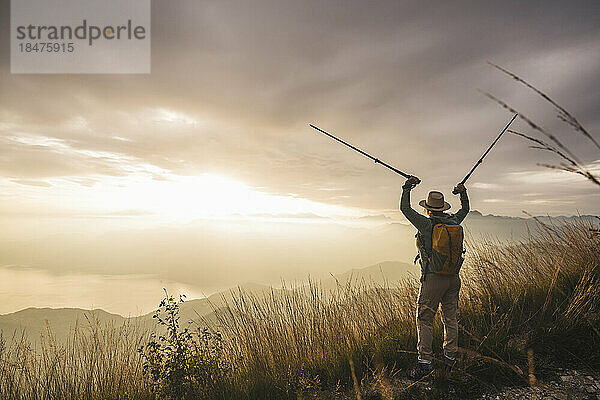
point(485, 154)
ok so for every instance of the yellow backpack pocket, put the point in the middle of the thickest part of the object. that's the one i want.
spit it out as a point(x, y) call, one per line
point(447, 249)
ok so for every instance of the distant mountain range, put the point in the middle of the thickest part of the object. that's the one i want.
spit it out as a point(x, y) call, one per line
point(34, 323)
point(480, 226)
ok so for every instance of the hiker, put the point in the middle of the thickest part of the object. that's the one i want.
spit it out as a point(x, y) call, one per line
point(439, 241)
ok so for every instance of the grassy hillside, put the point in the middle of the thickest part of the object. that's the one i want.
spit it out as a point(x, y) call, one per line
point(526, 306)
point(34, 323)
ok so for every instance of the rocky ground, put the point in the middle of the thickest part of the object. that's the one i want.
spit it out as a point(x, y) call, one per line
point(562, 385)
point(567, 385)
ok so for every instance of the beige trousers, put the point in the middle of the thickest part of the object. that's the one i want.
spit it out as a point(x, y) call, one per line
point(436, 289)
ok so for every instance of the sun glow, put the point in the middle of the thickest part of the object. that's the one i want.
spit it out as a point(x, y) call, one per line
point(131, 187)
point(170, 197)
point(209, 195)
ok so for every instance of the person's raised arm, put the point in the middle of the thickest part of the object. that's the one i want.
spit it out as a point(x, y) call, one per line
point(464, 202)
point(420, 222)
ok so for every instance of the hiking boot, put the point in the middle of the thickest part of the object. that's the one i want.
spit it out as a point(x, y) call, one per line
point(421, 370)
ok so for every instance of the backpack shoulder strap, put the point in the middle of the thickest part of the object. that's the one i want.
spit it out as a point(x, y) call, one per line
point(435, 221)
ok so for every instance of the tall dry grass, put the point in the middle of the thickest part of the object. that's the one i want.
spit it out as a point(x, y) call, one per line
point(303, 337)
point(540, 295)
point(569, 161)
point(98, 361)
point(525, 306)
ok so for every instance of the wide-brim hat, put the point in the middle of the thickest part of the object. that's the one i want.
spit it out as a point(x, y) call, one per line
point(435, 202)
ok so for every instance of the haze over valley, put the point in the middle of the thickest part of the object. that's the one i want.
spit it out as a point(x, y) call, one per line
point(123, 272)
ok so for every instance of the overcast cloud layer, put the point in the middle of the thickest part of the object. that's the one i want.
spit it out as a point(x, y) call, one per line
point(235, 83)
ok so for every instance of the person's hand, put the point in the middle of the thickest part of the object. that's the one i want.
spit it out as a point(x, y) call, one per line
point(459, 188)
point(411, 182)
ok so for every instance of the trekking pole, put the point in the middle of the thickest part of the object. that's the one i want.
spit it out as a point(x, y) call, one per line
point(377, 161)
point(485, 154)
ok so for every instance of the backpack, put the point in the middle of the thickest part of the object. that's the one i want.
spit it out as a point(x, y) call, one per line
point(446, 248)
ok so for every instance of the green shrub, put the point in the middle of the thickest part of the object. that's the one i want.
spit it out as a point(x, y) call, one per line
point(183, 363)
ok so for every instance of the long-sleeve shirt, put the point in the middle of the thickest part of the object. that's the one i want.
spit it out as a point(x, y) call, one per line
point(424, 224)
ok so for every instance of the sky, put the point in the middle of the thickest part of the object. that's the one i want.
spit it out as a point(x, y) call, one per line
point(219, 129)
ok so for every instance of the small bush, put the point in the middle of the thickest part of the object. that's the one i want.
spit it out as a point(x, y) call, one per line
point(183, 363)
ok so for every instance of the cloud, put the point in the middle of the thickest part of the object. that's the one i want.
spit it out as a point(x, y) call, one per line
point(380, 218)
point(125, 213)
point(486, 186)
point(32, 182)
point(285, 216)
point(553, 176)
point(234, 86)
point(493, 200)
